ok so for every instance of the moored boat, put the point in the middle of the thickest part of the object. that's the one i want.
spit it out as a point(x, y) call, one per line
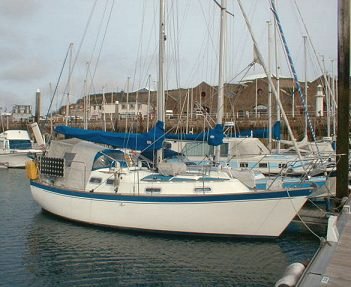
point(85, 182)
point(16, 148)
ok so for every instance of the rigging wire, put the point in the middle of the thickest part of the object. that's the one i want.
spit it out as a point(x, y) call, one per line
point(102, 44)
point(75, 59)
point(81, 43)
point(294, 73)
point(315, 52)
point(247, 69)
point(93, 51)
point(140, 48)
point(148, 63)
point(57, 83)
point(209, 42)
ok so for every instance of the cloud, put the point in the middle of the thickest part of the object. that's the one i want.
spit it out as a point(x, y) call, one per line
point(9, 98)
point(9, 55)
point(14, 10)
point(25, 70)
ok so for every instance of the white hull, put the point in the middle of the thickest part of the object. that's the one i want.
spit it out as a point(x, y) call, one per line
point(15, 145)
point(17, 159)
point(229, 215)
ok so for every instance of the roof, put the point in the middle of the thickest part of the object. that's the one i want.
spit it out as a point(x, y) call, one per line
point(253, 77)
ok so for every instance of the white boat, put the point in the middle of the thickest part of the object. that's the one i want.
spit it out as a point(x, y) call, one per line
point(16, 148)
point(251, 153)
point(78, 182)
point(86, 182)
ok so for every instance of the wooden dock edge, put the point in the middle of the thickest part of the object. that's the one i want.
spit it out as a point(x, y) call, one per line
point(331, 264)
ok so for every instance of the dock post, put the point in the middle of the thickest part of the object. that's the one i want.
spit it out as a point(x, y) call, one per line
point(342, 146)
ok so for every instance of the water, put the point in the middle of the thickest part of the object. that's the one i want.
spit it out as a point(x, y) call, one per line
point(38, 249)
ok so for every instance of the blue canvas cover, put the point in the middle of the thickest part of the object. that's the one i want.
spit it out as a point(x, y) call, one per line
point(151, 140)
point(262, 133)
point(213, 137)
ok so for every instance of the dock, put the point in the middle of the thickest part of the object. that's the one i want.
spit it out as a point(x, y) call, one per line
point(331, 265)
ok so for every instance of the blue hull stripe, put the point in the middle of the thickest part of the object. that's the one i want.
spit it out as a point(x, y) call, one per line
point(193, 198)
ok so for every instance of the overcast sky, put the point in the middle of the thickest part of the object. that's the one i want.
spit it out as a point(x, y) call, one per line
point(117, 40)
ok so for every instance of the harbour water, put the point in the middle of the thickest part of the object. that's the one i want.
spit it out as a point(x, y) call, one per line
point(38, 249)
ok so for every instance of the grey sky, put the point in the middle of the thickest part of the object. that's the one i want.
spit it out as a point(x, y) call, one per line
point(35, 35)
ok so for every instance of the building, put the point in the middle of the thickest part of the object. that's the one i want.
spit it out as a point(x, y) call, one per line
point(98, 106)
point(245, 103)
point(21, 113)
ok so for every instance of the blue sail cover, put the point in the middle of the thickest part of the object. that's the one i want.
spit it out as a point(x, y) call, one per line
point(213, 137)
point(262, 133)
point(152, 140)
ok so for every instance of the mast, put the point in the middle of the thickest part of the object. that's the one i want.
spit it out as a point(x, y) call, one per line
point(277, 72)
point(187, 112)
point(270, 80)
point(69, 83)
point(160, 89)
point(305, 68)
point(127, 114)
point(342, 146)
point(220, 101)
point(314, 50)
point(327, 96)
point(148, 104)
point(86, 98)
point(269, 88)
point(103, 108)
point(334, 99)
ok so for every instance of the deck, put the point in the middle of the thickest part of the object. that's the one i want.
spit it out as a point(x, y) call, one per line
point(331, 265)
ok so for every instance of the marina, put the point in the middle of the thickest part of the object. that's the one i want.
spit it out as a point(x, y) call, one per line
point(164, 188)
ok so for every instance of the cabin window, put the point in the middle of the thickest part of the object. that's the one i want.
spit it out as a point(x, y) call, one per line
point(20, 144)
point(224, 150)
point(108, 159)
point(202, 189)
point(244, 164)
point(262, 164)
point(152, 190)
point(197, 149)
point(282, 165)
point(110, 181)
point(95, 180)
point(69, 156)
point(167, 145)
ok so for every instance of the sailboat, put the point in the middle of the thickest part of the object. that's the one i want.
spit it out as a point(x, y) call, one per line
point(16, 148)
point(86, 182)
